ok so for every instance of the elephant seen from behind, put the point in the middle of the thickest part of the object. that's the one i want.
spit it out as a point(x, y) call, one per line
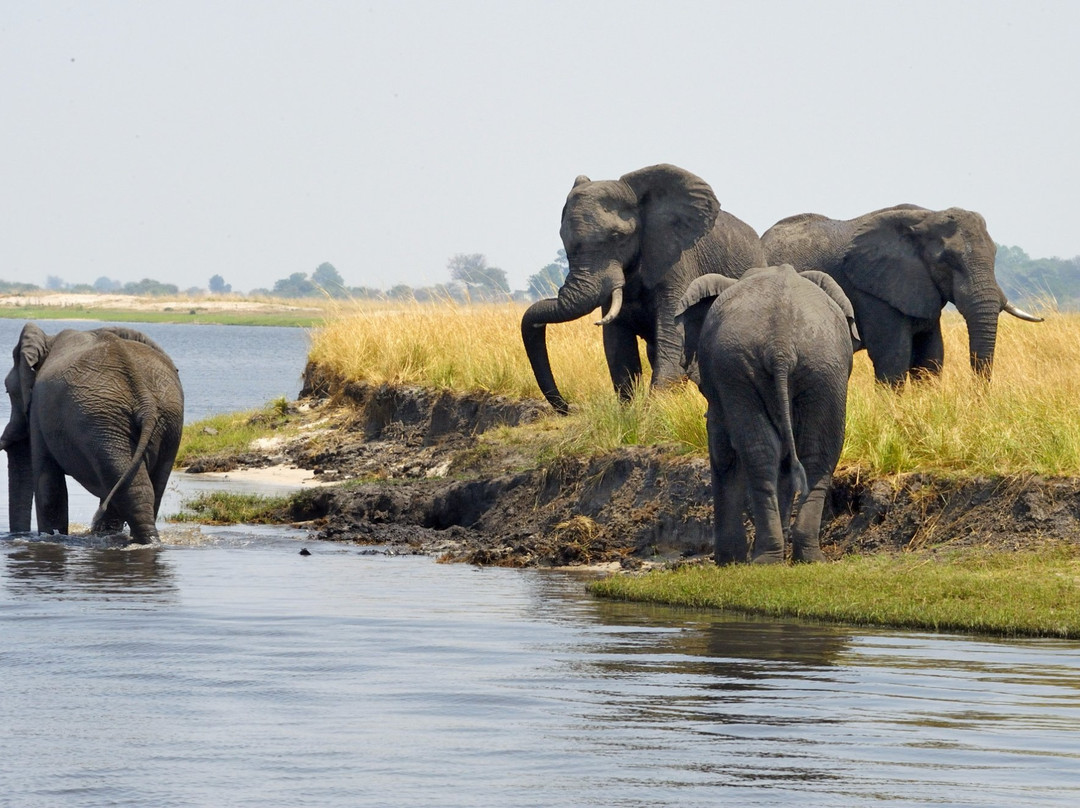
point(774, 351)
point(103, 406)
point(899, 266)
point(634, 245)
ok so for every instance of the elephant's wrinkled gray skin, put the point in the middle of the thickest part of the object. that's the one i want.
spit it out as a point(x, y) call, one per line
point(103, 406)
point(634, 245)
point(899, 267)
point(774, 351)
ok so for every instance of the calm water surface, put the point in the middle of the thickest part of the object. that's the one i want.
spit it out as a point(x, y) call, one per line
point(223, 668)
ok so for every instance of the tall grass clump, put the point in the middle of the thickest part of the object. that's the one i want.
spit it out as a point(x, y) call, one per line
point(1023, 421)
point(448, 345)
point(674, 417)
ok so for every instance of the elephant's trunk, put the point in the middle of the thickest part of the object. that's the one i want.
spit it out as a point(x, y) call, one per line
point(582, 292)
point(982, 320)
point(20, 486)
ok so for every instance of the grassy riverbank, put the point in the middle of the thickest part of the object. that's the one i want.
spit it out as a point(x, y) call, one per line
point(1024, 593)
point(131, 309)
point(956, 427)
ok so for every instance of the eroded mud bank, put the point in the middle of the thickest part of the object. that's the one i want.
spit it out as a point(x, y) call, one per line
point(416, 476)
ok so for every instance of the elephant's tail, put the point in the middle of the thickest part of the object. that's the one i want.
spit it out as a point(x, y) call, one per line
point(787, 433)
point(148, 423)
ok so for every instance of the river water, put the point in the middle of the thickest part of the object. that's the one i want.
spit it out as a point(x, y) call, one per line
point(224, 668)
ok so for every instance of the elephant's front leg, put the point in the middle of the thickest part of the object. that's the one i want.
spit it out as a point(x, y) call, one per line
point(928, 352)
point(50, 497)
point(666, 351)
point(887, 335)
point(623, 358)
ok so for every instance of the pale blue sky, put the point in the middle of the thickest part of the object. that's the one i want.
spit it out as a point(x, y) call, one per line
point(178, 140)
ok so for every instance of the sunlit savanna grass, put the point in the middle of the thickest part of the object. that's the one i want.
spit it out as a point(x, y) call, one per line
point(1027, 420)
point(1021, 593)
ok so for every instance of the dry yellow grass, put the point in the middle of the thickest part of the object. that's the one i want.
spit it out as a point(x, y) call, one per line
point(1026, 420)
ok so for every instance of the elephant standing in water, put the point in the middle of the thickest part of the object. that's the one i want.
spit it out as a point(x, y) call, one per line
point(774, 353)
point(899, 267)
point(103, 406)
point(634, 245)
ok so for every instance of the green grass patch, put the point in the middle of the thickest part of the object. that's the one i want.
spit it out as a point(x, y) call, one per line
point(179, 314)
point(1027, 593)
point(224, 508)
point(232, 432)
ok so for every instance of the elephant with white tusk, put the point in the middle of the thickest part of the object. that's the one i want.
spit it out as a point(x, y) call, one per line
point(103, 406)
point(899, 266)
point(634, 245)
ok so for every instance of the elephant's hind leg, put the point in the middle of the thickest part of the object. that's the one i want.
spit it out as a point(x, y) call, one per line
point(806, 532)
point(137, 504)
point(729, 496)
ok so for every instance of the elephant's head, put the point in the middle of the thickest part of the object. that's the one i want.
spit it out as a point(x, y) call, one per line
point(634, 228)
point(692, 308)
point(29, 353)
point(917, 260)
point(700, 295)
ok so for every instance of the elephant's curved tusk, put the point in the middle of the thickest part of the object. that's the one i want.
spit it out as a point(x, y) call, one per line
point(614, 309)
point(1020, 313)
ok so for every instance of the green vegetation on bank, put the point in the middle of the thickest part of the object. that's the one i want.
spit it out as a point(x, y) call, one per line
point(232, 433)
point(179, 314)
point(1023, 593)
point(226, 508)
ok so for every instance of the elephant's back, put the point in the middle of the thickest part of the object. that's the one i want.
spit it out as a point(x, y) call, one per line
point(806, 241)
point(733, 247)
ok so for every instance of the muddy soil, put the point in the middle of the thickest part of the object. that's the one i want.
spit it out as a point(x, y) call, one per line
point(415, 472)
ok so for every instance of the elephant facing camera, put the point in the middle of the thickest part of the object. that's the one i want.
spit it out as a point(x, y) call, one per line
point(774, 355)
point(634, 244)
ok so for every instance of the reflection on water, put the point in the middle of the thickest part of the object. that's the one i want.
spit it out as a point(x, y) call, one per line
point(39, 568)
point(241, 673)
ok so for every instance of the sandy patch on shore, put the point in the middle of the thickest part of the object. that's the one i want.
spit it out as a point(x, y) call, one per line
point(278, 476)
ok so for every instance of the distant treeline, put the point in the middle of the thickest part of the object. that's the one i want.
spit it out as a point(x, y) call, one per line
point(1054, 281)
point(1045, 280)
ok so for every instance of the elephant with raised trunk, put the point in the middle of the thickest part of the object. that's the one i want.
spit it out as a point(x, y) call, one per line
point(774, 352)
point(103, 406)
point(634, 245)
point(899, 267)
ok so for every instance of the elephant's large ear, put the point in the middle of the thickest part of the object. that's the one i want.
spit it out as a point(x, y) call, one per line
point(833, 290)
point(29, 353)
point(692, 308)
point(677, 209)
point(887, 259)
